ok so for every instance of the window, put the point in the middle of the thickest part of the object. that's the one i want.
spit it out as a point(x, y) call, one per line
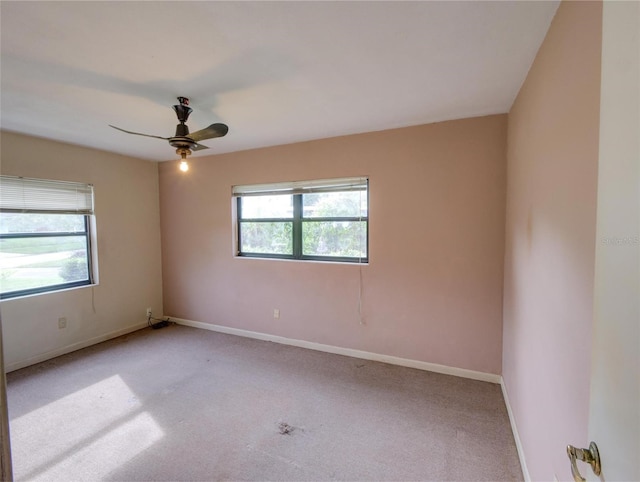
point(315, 220)
point(45, 241)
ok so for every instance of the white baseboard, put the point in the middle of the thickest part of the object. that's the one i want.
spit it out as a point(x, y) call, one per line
point(73, 347)
point(392, 360)
point(516, 435)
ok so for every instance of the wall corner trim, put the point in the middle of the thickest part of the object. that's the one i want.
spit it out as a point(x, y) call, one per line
point(73, 347)
point(516, 435)
point(365, 355)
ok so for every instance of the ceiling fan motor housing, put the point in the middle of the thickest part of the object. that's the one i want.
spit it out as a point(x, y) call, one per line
point(182, 142)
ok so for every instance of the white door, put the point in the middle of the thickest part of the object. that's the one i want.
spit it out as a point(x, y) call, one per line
point(614, 419)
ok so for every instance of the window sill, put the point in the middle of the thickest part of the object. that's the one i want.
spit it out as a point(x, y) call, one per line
point(52, 292)
point(315, 261)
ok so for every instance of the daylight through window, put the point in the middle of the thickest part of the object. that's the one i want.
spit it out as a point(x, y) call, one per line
point(314, 220)
point(45, 241)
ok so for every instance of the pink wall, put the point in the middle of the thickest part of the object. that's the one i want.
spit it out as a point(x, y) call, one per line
point(433, 289)
point(550, 240)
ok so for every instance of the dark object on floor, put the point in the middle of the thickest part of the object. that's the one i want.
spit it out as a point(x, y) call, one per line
point(285, 428)
point(160, 324)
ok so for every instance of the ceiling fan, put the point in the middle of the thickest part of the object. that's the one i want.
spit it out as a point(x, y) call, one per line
point(183, 141)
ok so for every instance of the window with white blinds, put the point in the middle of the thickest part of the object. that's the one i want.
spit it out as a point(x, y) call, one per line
point(299, 187)
point(24, 195)
point(45, 235)
point(325, 219)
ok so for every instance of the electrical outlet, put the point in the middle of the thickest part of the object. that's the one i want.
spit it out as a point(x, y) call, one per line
point(148, 312)
point(276, 313)
point(62, 323)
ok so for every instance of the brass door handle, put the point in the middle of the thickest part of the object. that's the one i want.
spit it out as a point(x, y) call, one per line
point(590, 456)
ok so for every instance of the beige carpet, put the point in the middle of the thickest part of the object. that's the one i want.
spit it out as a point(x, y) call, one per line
point(186, 404)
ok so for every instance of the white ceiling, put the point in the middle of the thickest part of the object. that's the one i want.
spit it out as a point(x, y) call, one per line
point(275, 72)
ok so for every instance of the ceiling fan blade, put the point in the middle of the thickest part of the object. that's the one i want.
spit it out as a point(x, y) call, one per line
point(198, 147)
point(214, 130)
point(138, 133)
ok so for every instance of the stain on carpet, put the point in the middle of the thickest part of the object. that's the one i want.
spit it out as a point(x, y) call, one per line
point(285, 428)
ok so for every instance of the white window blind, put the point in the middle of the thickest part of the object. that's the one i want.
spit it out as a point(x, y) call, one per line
point(301, 187)
point(25, 195)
